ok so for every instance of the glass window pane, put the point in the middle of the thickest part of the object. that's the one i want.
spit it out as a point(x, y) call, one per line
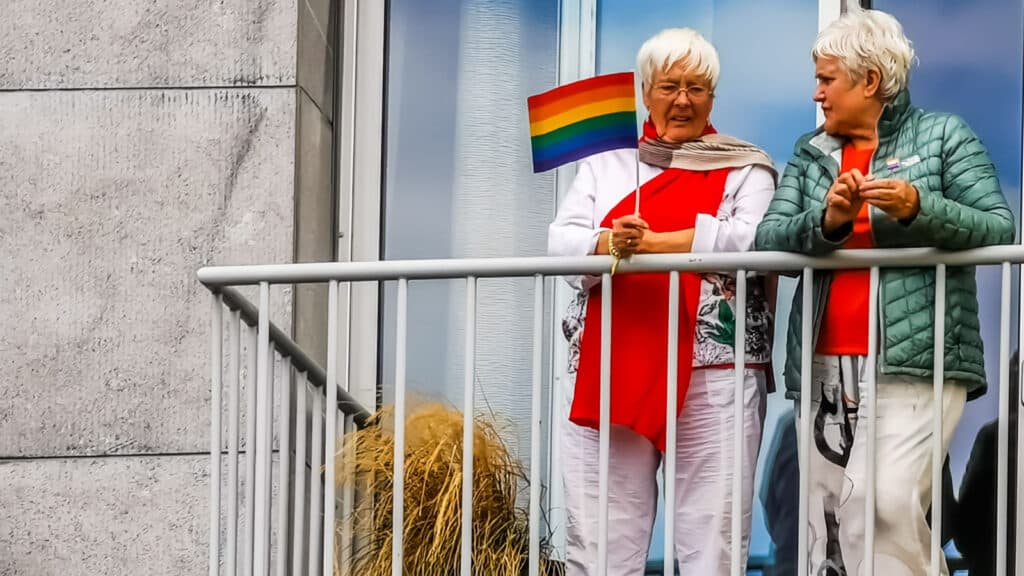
point(459, 184)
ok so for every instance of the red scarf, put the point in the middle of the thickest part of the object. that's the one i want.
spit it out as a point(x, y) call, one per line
point(671, 201)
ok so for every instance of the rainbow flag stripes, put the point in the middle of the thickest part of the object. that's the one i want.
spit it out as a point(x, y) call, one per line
point(582, 118)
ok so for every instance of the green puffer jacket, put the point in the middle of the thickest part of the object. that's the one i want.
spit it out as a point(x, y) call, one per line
point(961, 207)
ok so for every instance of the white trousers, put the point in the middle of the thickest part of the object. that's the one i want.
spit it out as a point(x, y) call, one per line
point(702, 510)
point(903, 468)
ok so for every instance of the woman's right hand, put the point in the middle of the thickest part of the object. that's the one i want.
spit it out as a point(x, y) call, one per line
point(627, 233)
point(843, 202)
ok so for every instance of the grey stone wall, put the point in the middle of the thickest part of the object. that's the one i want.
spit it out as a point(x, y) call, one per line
point(315, 211)
point(138, 142)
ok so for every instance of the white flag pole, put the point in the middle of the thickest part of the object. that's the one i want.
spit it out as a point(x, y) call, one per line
point(636, 211)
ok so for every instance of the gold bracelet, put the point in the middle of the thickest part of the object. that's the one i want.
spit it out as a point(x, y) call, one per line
point(613, 251)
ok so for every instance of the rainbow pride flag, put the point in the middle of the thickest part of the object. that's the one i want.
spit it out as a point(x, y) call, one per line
point(582, 118)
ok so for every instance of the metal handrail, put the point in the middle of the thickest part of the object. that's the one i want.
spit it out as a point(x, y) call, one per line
point(220, 279)
point(213, 276)
point(316, 375)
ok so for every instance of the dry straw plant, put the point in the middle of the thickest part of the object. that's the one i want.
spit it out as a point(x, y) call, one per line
point(433, 496)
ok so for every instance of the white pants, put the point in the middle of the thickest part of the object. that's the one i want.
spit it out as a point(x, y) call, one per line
point(704, 472)
point(903, 464)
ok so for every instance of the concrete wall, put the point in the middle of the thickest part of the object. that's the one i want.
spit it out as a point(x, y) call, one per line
point(315, 210)
point(138, 142)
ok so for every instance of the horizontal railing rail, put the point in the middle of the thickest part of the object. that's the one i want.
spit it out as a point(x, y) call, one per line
point(213, 276)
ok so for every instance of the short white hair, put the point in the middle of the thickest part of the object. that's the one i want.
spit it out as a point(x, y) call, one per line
point(863, 40)
point(666, 48)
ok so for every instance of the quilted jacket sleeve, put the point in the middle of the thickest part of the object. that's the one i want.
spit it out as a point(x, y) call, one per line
point(970, 210)
point(790, 224)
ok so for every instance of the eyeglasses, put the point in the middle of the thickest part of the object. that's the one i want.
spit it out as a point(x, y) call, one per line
point(694, 93)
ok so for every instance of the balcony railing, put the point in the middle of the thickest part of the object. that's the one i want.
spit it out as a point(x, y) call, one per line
point(315, 554)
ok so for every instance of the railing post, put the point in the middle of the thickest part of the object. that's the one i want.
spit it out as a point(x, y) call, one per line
point(398, 503)
point(804, 435)
point(535, 423)
point(347, 544)
point(299, 503)
point(939, 376)
point(1001, 488)
point(605, 423)
point(264, 378)
point(1002, 470)
point(740, 355)
point(331, 429)
point(316, 492)
point(216, 373)
point(284, 470)
point(250, 450)
point(671, 421)
point(235, 348)
point(467, 429)
point(871, 397)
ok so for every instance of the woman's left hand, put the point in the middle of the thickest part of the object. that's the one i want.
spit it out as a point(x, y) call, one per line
point(897, 198)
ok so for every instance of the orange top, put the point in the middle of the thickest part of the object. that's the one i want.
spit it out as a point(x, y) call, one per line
point(844, 328)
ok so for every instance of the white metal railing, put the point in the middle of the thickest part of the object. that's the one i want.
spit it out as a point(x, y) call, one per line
point(266, 343)
point(219, 279)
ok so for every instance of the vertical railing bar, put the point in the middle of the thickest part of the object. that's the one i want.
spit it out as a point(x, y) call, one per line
point(467, 429)
point(299, 502)
point(804, 436)
point(1015, 523)
point(1002, 470)
point(535, 423)
point(284, 470)
point(250, 450)
point(235, 349)
point(605, 424)
point(671, 419)
point(347, 500)
point(268, 446)
point(554, 398)
point(216, 384)
point(740, 356)
point(871, 397)
point(938, 372)
point(331, 426)
point(261, 520)
point(315, 488)
point(398, 492)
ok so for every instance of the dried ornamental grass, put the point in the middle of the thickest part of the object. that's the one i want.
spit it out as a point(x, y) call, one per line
point(433, 496)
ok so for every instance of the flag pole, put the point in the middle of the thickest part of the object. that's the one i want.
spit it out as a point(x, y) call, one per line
point(636, 210)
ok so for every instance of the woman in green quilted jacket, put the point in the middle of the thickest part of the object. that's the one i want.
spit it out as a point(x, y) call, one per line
point(880, 173)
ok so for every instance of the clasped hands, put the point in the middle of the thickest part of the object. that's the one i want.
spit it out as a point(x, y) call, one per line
point(627, 235)
point(852, 190)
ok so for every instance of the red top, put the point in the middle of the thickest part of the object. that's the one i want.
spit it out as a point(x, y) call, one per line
point(671, 201)
point(639, 334)
point(844, 328)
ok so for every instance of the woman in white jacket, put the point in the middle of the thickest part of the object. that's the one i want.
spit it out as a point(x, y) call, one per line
point(700, 192)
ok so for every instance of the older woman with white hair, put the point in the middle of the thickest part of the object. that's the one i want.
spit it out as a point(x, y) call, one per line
point(880, 173)
point(700, 192)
